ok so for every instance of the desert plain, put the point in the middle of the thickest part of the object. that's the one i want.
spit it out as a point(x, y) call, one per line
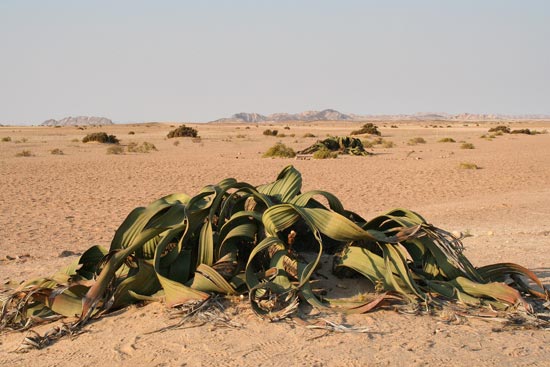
point(54, 206)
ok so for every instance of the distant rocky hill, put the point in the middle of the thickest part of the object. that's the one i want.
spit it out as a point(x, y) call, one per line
point(333, 115)
point(78, 121)
point(325, 115)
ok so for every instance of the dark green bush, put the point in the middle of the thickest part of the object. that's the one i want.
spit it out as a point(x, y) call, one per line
point(368, 128)
point(101, 138)
point(269, 132)
point(501, 128)
point(183, 131)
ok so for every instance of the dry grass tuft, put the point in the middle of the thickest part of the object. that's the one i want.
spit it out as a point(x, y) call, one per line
point(279, 150)
point(145, 147)
point(468, 165)
point(24, 153)
point(416, 141)
point(447, 140)
point(115, 149)
point(325, 154)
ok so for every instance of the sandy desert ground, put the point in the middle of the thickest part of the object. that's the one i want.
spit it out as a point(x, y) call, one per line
point(54, 203)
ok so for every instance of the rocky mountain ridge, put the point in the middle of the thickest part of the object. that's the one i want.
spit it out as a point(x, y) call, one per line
point(78, 121)
point(333, 115)
point(324, 115)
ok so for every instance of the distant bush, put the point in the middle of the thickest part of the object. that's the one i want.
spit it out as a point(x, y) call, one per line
point(281, 135)
point(6, 138)
point(447, 140)
point(280, 150)
point(56, 151)
point(24, 153)
point(467, 146)
point(183, 131)
point(309, 135)
point(416, 141)
point(324, 153)
point(368, 128)
point(240, 136)
point(101, 138)
point(75, 140)
point(501, 128)
point(115, 149)
point(287, 127)
point(145, 147)
point(467, 165)
point(270, 132)
point(527, 131)
point(131, 133)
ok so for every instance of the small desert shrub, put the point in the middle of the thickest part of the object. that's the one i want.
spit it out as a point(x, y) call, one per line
point(292, 135)
point(280, 150)
point(309, 135)
point(415, 141)
point(467, 146)
point(24, 153)
point(367, 143)
point(388, 144)
point(394, 126)
point(184, 131)
point(176, 143)
point(324, 154)
point(270, 132)
point(468, 165)
point(115, 149)
point(75, 140)
point(282, 135)
point(447, 140)
point(521, 131)
point(145, 147)
point(101, 138)
point(501, 128)
point(240, 136)
point(247, 128)
point(131, 133)
point(287, 127)
point(56, 151)
point(6, 138)
point(368, 128)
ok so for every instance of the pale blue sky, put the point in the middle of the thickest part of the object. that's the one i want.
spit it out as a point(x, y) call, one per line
point(202, 60)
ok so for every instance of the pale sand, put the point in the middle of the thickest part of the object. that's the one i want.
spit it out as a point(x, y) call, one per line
point(51, 203)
